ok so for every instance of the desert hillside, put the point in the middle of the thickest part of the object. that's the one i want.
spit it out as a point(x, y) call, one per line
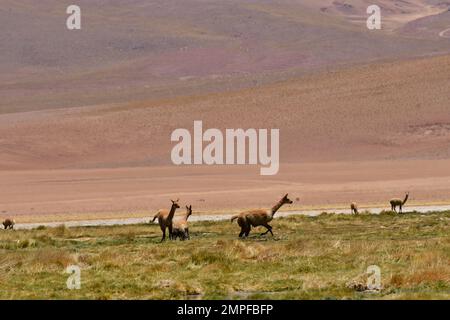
point(139, 50)
point(396, 110)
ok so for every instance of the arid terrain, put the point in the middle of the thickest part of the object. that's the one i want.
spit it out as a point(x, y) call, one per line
point(86, 115)
point(140, 50)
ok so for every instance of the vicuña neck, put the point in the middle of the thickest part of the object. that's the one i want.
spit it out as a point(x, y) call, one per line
point(172, 212)
point(276, 207)
point(406, 199)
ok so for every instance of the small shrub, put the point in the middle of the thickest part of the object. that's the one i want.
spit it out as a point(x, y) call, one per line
point(61, 231)
point(26, 243)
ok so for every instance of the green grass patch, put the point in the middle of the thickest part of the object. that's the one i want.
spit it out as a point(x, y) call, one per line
point(309, 258)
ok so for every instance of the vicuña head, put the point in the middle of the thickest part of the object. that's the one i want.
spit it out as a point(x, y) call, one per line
point(188, 211)
point(285, 199)
point(175, 204)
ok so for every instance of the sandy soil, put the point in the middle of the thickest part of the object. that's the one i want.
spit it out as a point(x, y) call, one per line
point(59, 195)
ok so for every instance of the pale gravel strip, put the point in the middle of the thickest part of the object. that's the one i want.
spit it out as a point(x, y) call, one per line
point(218, 217)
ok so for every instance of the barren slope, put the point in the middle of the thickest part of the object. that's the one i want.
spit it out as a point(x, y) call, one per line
point(135, 50)
point(396, 110)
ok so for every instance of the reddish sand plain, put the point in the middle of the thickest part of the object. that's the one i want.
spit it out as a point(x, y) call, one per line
point(364, 134)
point(60, 195)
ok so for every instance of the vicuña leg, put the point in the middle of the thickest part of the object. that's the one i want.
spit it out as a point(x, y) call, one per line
point(269, 229)
point(247, 230)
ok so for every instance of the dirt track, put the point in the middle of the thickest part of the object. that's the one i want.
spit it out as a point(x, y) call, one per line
point(443, 32)
point(216, 217)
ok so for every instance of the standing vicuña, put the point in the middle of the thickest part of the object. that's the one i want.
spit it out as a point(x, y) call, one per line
point(354, 208)
point(258, 217)
point(396, 202)
point(180, 226)
point(9, 223)
point(165, 219)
